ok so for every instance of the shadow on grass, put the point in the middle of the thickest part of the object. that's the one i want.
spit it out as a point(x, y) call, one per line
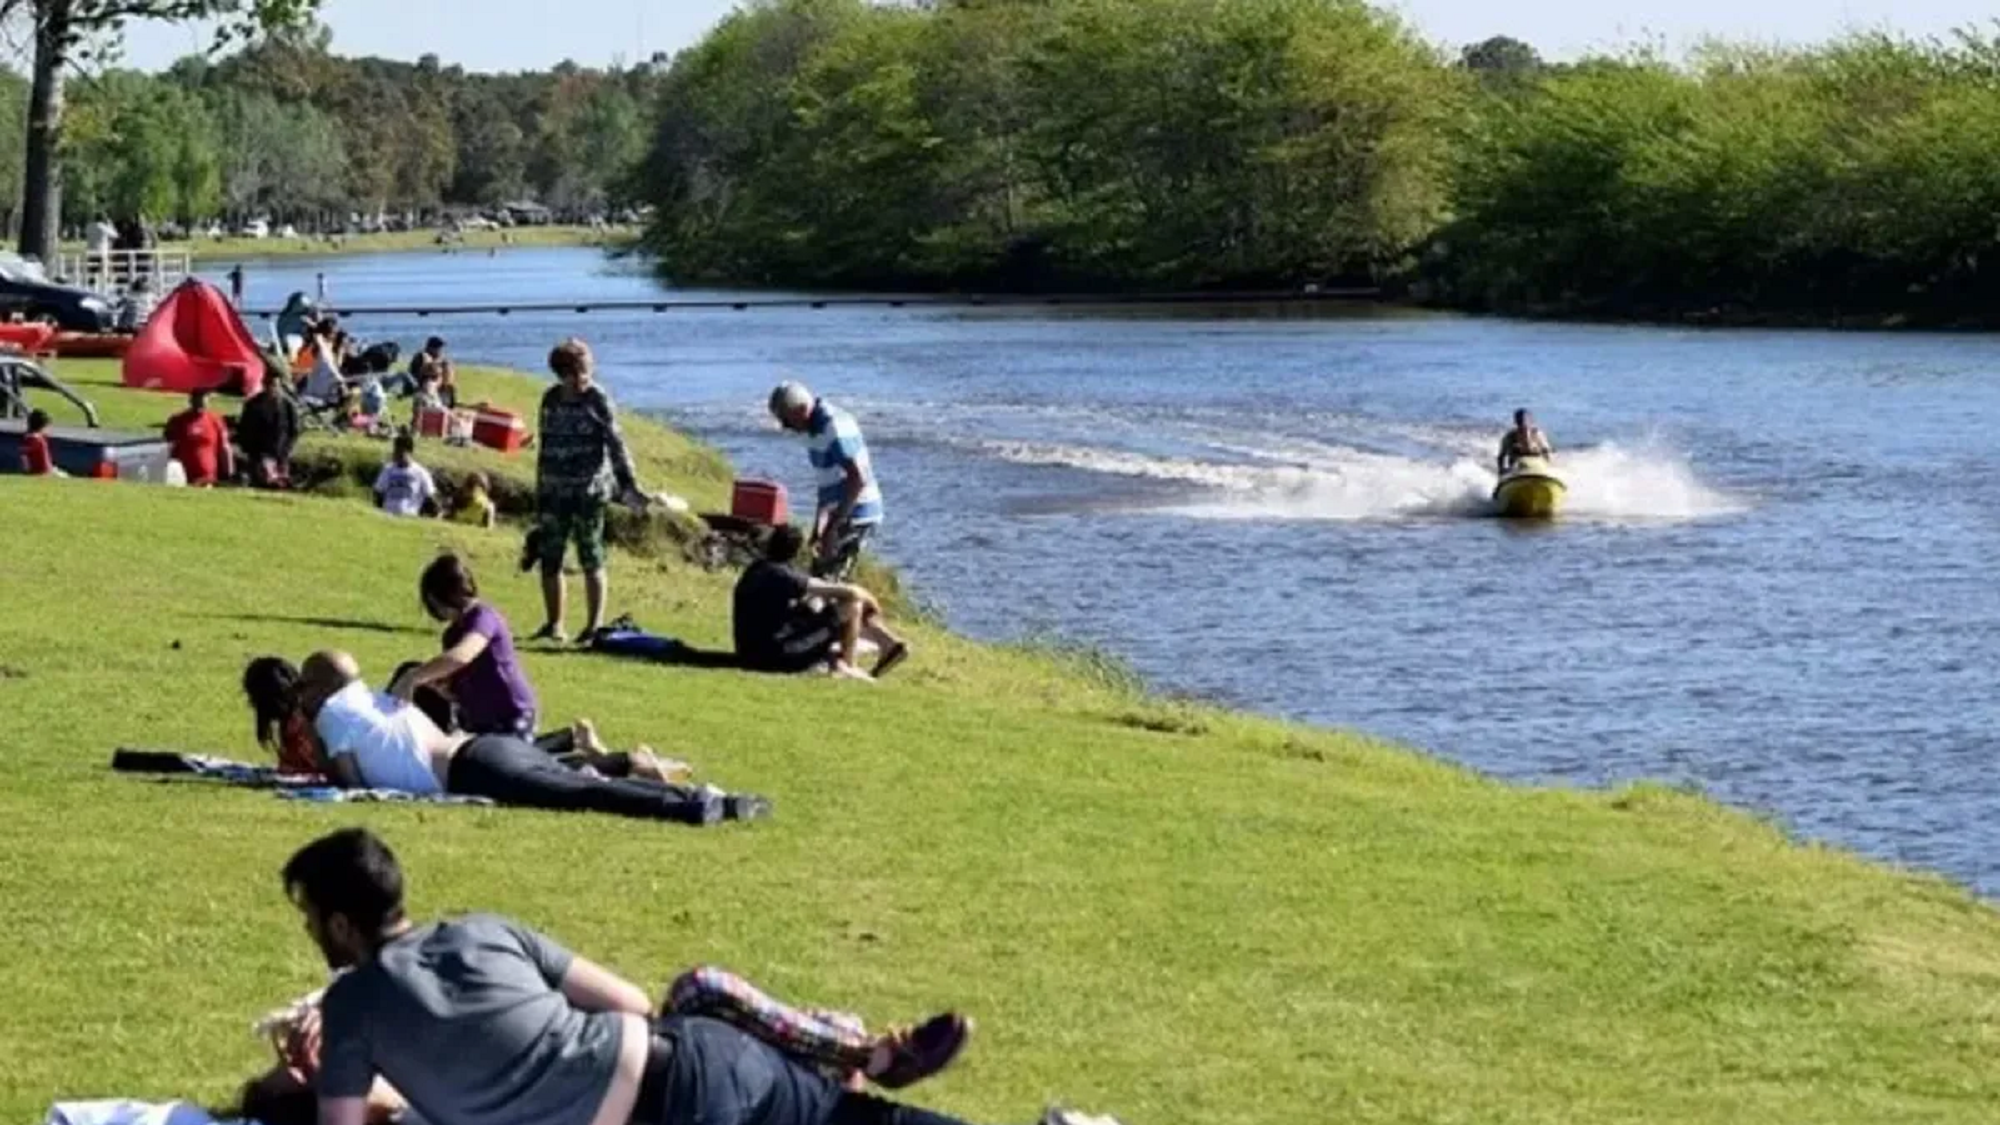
point(340, 624)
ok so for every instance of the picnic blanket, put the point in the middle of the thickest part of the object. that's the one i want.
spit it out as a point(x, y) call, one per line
point(121, 1112)
point(173, 765)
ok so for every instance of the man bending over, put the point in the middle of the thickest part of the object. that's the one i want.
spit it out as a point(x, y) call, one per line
point(482, 1021)
point(779, 628)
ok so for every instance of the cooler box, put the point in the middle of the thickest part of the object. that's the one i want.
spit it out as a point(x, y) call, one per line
point(433, 423)
point(759, 501)
point(498, 429)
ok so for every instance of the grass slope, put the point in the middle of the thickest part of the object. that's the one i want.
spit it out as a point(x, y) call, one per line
point(1175, 914)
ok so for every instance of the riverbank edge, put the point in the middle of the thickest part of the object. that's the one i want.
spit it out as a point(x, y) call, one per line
point(344, 466)
point(1090, 866)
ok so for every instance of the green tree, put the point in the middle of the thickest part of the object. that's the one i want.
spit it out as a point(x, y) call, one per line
point(65, 30)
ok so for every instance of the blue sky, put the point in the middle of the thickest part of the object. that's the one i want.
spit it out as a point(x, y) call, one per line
point(525, 34)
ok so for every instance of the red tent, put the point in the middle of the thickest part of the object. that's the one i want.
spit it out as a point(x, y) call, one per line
point(195, 341)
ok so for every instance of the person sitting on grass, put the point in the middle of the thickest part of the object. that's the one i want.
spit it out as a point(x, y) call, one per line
point(787, 621)
point(198, 439)
point(325, 385)
point(430, 367)
point(475, 505)
point(481, 688)
point(37, 460)
point(379, 742)
point(480, 1020)
point(405, 488)
point(837, 1044)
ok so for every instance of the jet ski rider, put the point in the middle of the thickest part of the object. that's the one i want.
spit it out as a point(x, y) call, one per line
point(1524, 440)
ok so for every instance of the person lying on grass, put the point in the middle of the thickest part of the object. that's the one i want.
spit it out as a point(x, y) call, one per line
point(837, 1044)
point(271, 684)
point(477, 685)
point(367, 740)
point(480, 1020)
point(788, 621)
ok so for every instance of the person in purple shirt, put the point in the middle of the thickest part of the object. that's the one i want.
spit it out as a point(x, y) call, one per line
point(478, 668)
point(486, 691)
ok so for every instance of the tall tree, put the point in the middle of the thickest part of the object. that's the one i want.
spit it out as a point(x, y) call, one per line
point(66, 31)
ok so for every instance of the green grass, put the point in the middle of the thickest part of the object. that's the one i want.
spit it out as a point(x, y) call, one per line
point(1155, 909)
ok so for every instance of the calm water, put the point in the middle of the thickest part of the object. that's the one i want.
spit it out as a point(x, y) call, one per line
point(1775, 584)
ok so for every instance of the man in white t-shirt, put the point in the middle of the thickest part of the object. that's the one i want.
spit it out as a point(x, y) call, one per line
point(404, 487)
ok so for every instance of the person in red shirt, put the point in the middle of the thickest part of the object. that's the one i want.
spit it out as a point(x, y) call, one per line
point(36, 460)
point(200, 442)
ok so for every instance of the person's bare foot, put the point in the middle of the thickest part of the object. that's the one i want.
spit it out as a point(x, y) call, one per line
point(583, 736)
point(649, 765)
point(846, 671)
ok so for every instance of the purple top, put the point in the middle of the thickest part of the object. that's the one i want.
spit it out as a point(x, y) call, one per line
point(492, 692)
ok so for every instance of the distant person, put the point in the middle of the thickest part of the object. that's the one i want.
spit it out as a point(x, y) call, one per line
point(1524, 440)
point(405, 488)
point(295, 322)
point(236, 286)
point(325, 385)
point(36, 458)
point(137, 307)
point(789, 622)
point(475, 505)
point(100, 238)
point(480, 1020)
point(198, 439)
point(581, 467)
point(849, 501)
point(266, 431)
point(431, 367)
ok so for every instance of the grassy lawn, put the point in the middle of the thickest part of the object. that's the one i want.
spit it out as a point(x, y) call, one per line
point(1169, 913)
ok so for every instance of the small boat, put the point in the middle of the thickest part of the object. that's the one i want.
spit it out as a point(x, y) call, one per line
point(1529, 491)
point(92, 345)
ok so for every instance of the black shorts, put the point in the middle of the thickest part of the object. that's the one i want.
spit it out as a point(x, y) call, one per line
point(849, 540)
point(810, 639)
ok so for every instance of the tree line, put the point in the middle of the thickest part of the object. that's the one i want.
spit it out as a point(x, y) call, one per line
point(287, 131)
point(1042, 144)
point(1204, 143)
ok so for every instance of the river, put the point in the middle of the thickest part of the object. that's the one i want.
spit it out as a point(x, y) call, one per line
point(1772, 584)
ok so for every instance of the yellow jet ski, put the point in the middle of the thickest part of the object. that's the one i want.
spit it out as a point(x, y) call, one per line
point(1529, 491)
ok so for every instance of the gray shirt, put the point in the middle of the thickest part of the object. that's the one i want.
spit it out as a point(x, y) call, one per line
point(465, 1018)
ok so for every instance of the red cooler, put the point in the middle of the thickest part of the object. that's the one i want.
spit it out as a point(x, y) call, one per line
point(759, 501)
point(433, 423)
point(498, 429)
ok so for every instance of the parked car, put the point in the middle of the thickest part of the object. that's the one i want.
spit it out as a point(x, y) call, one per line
point(256, 228)
point(25, 289)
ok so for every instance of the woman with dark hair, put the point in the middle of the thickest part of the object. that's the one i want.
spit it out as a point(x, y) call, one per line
point(477, 685)
point(272, 684)
point(478, 668)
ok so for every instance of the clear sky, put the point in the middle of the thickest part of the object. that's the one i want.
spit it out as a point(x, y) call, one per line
point(531, 34)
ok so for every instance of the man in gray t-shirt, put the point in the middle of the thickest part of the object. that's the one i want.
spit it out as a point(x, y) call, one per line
point(402, 1014)
point(481, 1021)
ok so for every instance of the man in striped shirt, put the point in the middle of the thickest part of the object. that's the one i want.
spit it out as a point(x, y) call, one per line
point(849, 501)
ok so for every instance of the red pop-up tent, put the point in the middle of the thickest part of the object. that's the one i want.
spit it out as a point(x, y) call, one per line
point(195, 341)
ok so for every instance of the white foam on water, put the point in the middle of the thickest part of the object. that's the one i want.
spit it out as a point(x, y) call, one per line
point(1311, 481)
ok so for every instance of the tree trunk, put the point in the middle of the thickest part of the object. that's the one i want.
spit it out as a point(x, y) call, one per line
point(41, 195)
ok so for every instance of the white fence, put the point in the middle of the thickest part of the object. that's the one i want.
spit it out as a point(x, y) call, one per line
point(112, 272)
